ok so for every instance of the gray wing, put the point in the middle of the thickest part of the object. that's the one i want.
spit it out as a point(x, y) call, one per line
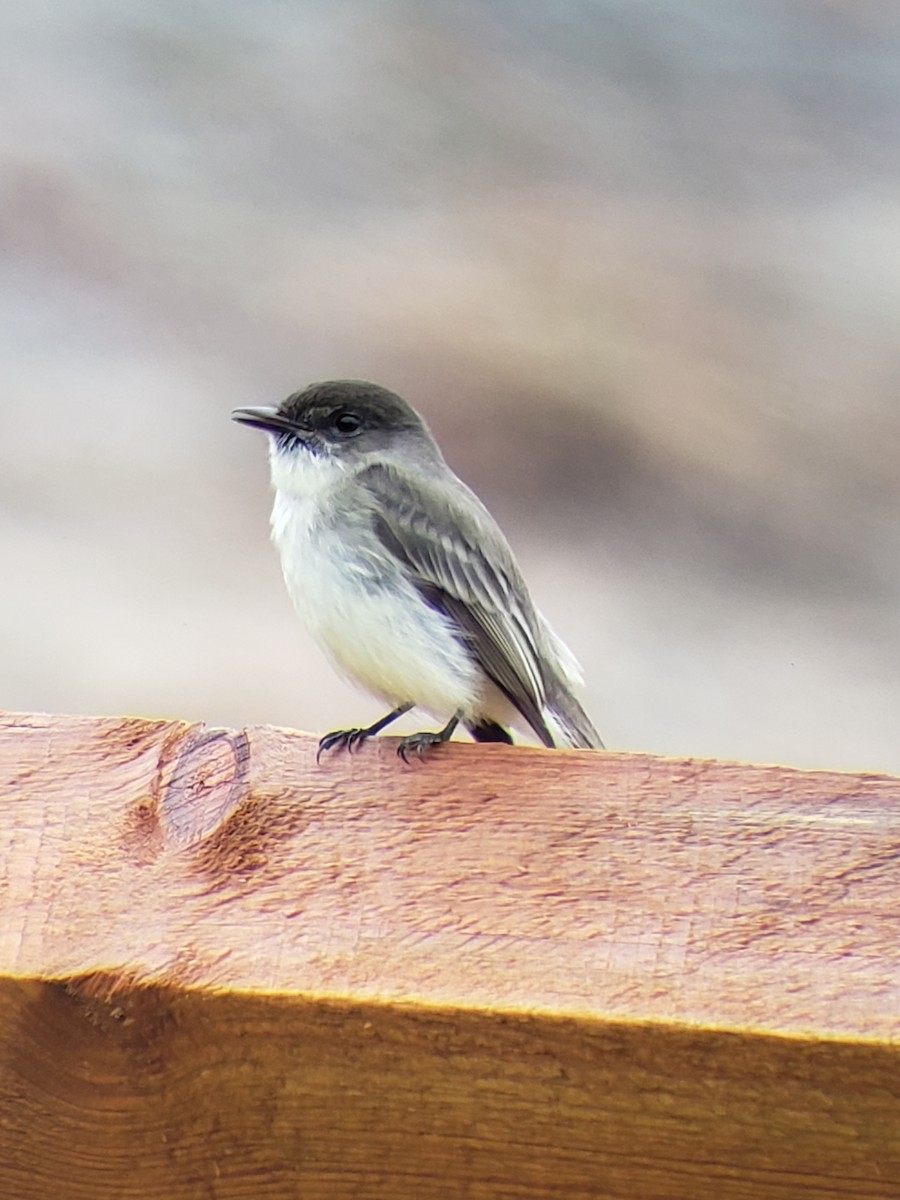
point(460, 563)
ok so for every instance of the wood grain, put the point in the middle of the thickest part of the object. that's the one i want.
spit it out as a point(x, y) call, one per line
point(225, 971)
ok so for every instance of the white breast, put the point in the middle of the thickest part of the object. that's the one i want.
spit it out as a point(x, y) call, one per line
point(368, 618)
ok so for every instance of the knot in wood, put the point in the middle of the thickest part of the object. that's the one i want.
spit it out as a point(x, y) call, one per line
point(207, 781)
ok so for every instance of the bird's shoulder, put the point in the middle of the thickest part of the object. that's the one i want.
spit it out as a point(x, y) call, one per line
point(443, 531)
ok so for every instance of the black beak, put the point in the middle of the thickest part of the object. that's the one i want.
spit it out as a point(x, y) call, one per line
point(269, 419)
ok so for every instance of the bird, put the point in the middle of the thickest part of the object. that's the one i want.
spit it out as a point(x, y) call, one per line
point(404, 578)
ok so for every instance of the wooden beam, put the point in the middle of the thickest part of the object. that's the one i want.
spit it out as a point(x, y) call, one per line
point(228, 972)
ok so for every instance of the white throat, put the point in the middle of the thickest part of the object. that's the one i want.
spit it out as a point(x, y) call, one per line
point(301, 474)
point(300, 480)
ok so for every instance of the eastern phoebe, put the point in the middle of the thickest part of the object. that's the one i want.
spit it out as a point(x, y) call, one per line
point(403, 576)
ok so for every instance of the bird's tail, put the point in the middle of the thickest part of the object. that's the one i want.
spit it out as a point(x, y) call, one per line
point(569, 723)
point(566, 720)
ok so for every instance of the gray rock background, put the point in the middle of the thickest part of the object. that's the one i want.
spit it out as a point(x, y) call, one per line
point(637, 262)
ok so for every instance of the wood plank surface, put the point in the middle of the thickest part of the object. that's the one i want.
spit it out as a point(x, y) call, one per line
point(226, 971)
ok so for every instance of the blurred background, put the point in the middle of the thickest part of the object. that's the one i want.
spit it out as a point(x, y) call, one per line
point(637, 262)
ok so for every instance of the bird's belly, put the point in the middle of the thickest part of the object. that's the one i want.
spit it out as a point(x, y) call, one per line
point(376, 628)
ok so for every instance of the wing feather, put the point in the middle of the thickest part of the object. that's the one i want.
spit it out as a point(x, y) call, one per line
point(462, 566)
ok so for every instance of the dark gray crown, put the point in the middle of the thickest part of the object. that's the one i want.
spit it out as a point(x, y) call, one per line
point(315, 407)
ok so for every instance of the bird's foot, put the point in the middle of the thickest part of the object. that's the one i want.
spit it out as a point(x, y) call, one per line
point(351, 739)
point(419, 742)
point(342, 739)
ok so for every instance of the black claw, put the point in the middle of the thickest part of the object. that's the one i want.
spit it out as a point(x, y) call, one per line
point(355, 739)
point(421, 741)
point(342, 739)
point(352, 739)
point(418, 742)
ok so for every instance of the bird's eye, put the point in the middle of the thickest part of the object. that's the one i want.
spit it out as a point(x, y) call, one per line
point(346, 423)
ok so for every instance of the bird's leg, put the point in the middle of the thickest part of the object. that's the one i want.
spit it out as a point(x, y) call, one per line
point(488, 731)
point(351, 738)
point(419, 741)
